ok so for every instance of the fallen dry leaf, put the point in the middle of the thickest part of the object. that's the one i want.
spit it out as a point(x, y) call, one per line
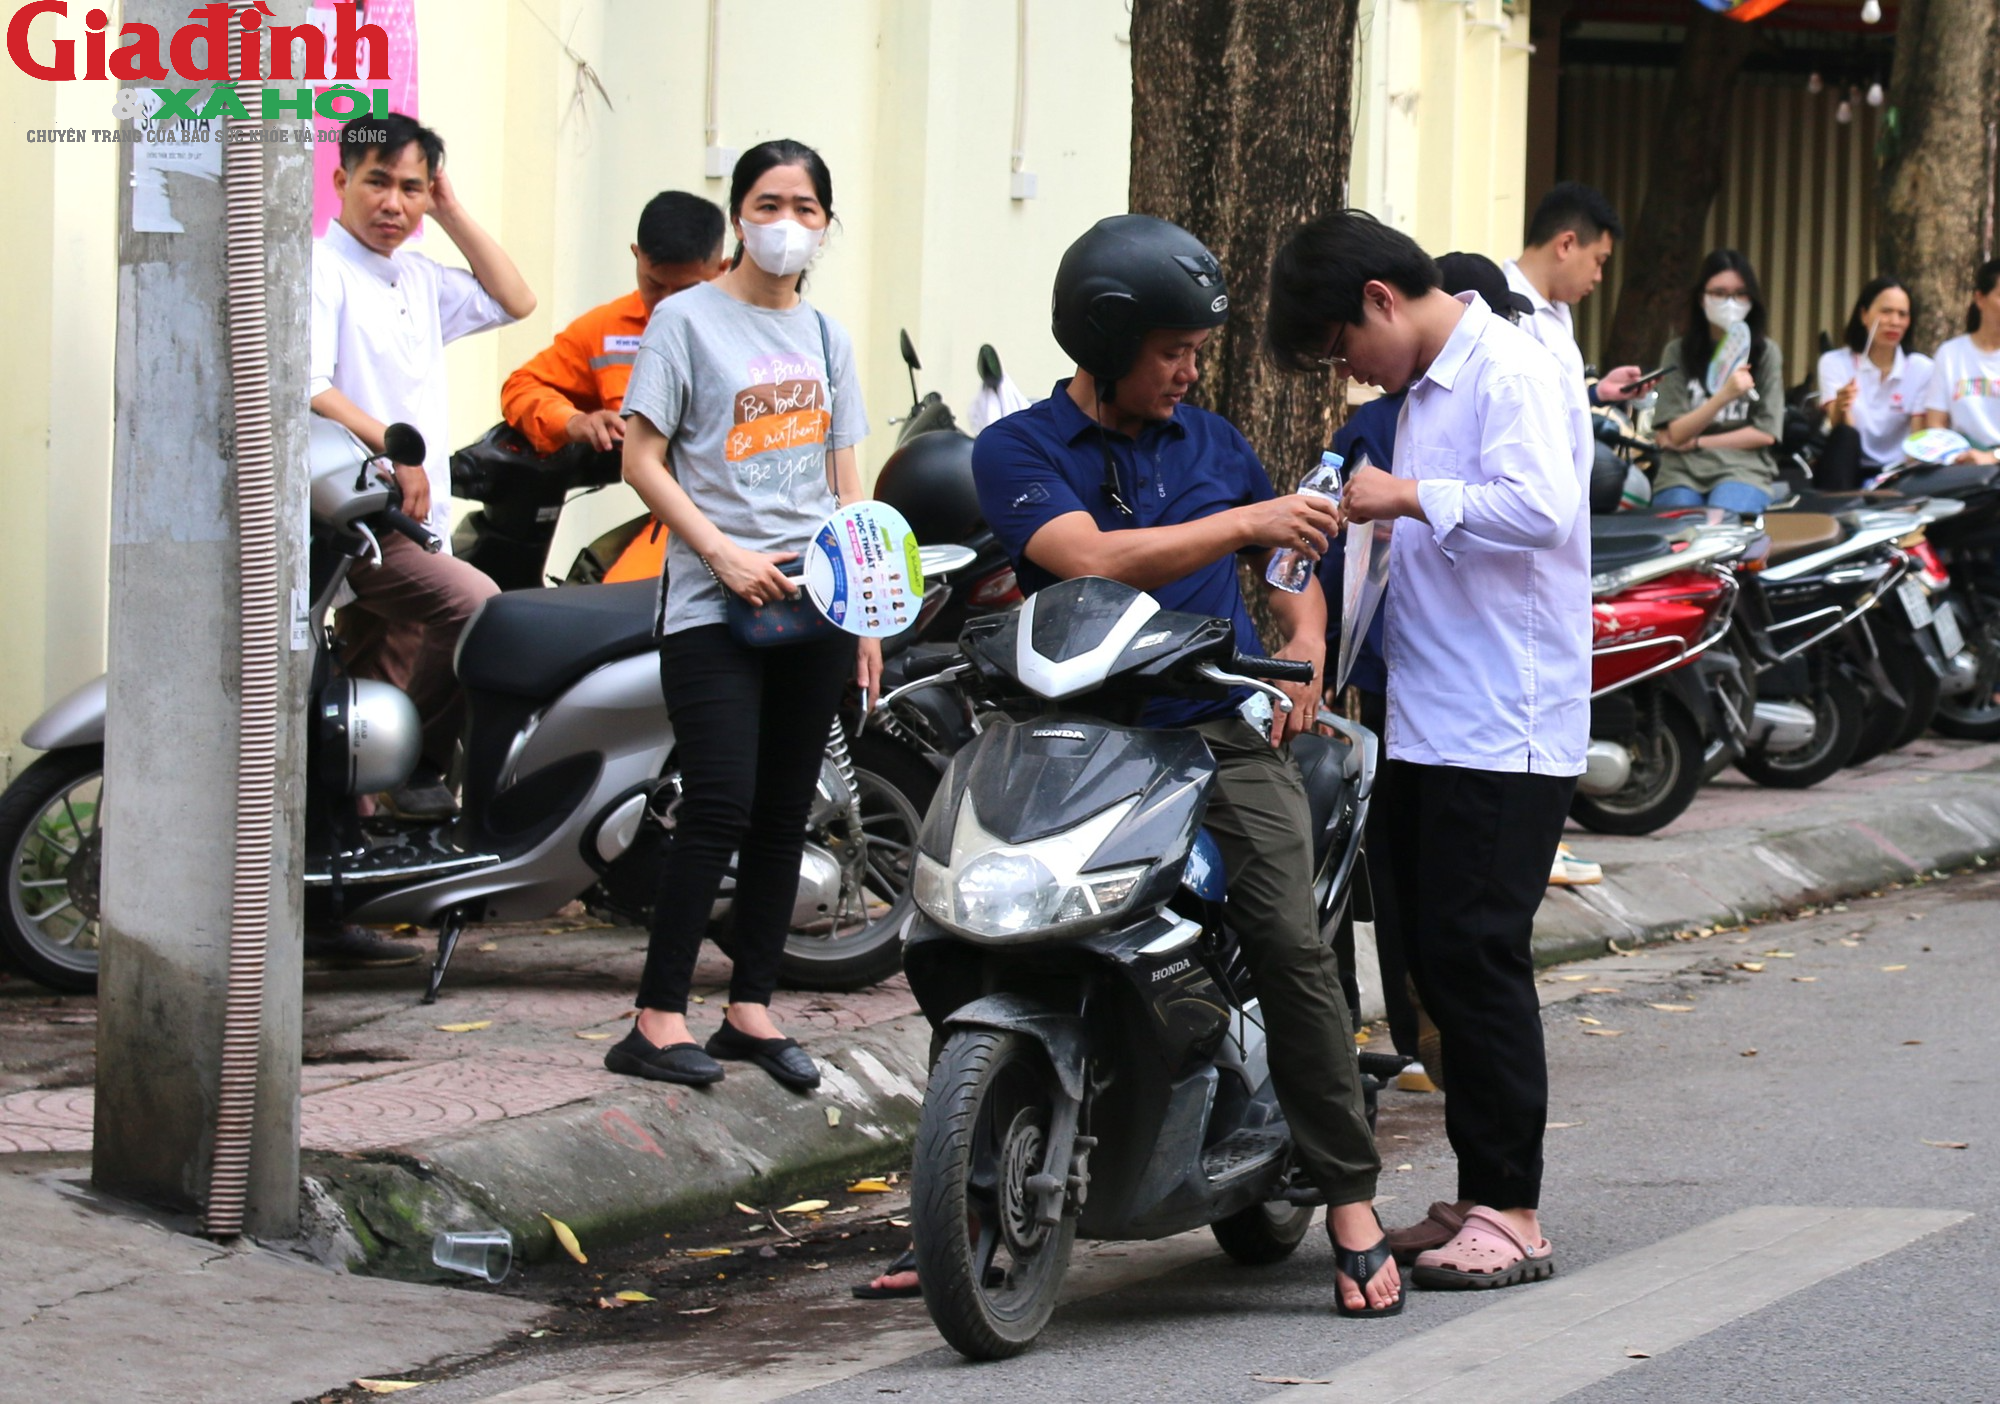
point(1562, 1125)
point(1603, 989)
point(1617, 949)
point(1947, 1145)
point(1404, 1169)
point(902, 1223)
point(1849, 941)
point(1672, 1008)
point(1747, 1053)
point(833, 1116)
point(1781, 955)
point(696, 1311)
point(1604, 1033)
point(608, 1304)
point(699, 1000)
point(386, 1386)
point(487, 948)
point(1572, 977)
point(805, 1206)
point(708, 1252)
point(743, 1208)
point(817, 1267)
point(1755, 967)
point(629, 1296)
point(593, 1037)
point(1913, 1043)
point(1634, 1354)
point(1890, 969)
point(1805, 979)
point(1287, 1380)
point(474, 1027)
point(566, 1237)
point(869, 1187)
point(1586, 1019)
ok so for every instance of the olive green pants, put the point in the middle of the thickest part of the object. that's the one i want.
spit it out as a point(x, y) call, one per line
point(1260, 821)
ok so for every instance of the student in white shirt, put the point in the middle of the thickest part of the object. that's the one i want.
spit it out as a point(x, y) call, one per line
point(1488, 647)
point(1570, 239)
point(1965, 381)
point(1873, 391)
point(381, 317)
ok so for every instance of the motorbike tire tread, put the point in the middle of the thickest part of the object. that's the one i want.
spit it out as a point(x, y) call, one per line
point(1670, 806)
point(1850, 712)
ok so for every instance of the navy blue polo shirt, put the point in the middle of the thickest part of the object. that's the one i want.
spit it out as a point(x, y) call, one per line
point(1045, 462)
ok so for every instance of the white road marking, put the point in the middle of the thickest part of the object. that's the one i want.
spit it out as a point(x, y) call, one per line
point(1546, 1341)
point(732, 1371)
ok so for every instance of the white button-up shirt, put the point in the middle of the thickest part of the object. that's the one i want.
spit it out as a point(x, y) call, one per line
point(1883, 406)
point(379, 328)
point(1488, 628)
point(1550, 323)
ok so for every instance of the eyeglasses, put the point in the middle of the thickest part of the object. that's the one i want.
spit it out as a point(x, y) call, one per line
point(1334, 360)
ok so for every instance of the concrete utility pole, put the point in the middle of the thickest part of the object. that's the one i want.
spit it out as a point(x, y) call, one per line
point(177, 679)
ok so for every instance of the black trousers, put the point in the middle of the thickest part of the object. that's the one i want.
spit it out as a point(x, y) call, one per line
point(750, 728)
point(1840, 468)
point(1395, 969)
point(1470, 851)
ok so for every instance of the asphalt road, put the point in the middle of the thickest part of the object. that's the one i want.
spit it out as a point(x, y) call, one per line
point(1754, 1196)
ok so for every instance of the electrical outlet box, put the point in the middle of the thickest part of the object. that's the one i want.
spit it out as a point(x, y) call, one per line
point(718, 161)
point(1022, 187)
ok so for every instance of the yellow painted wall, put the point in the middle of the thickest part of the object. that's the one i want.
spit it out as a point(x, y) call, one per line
point(910, 101)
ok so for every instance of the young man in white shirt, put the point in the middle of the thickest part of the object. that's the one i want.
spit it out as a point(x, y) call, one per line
point(1570, 239)
point(382, 315)
point(1487, 641)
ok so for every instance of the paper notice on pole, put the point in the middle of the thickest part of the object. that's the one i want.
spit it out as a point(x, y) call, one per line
point(176, 146)
point(1364, 579)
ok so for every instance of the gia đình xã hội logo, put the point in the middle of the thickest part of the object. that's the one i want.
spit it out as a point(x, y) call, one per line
point(201, 52)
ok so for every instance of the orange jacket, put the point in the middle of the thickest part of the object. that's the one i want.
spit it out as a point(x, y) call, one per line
point(584, 369)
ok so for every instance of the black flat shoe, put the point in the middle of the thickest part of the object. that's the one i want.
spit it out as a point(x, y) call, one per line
point(684, 1063)
point(782, 1058)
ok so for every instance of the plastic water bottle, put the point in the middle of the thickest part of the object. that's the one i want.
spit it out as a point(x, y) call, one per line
point(1291, 568)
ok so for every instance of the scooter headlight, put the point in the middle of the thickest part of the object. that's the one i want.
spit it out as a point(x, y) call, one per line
point(1010, 891)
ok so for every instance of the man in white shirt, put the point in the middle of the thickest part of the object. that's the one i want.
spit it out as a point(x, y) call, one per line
point(1488, 648)
point(1570, 239)
point(381, 317)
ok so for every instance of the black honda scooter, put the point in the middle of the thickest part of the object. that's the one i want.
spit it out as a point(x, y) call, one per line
point(1101, 1066)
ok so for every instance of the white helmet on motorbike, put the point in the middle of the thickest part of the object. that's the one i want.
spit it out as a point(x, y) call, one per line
point(368, 736)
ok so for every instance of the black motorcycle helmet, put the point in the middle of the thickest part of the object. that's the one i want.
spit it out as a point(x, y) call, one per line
point(929, 480)
point(1128, 275)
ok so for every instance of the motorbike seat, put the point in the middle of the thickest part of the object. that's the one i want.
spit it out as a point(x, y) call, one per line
point(534, 643)
point(1616, 541)
point(1796, 534)
point(1944, 480)
point(1833, 503)
point(1327, 764)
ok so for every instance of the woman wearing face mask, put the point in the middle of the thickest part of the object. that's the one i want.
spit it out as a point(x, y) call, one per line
point(740, 424)
point(1965, 383)
point(1873, 391)
point(1715, 448)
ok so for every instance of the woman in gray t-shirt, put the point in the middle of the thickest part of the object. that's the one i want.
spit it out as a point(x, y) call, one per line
point(1715, 445)
point(740, 424)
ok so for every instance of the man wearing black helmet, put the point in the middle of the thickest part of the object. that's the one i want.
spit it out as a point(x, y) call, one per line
point(1115, 475)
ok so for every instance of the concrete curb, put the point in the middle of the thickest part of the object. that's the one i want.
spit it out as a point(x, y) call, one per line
point(1840, 848)
point(644, 1158)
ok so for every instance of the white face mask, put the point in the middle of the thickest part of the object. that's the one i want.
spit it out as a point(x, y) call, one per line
point(1726, 311)
point(782, 247)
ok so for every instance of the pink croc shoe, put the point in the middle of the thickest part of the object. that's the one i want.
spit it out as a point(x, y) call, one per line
point(1486, 1252)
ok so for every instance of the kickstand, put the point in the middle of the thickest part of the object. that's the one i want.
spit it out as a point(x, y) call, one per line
point(449, 931)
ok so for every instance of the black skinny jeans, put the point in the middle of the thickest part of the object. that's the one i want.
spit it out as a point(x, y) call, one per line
point(750, 728)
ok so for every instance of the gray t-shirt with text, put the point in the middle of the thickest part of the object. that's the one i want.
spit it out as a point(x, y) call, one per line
point(742, 393)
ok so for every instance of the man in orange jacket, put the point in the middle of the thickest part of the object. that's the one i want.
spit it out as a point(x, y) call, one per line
point(570, 392)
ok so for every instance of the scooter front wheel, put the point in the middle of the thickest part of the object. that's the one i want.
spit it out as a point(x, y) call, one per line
point(990, 1268)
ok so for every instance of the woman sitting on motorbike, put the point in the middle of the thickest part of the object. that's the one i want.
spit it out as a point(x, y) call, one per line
point(1720, 414)
point(1873, 391)
point(741, 417)
point(1965, 382)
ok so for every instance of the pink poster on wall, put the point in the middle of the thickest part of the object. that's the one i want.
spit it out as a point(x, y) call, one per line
point(398, 20)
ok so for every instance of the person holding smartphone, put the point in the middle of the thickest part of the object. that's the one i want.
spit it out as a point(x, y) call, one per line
point(1570, 239)
point(1715, 444)
point(1873, 391)
point(740, 424)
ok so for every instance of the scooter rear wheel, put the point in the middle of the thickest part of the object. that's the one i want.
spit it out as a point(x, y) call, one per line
point(1666, 772)
point(990, 1269)
point(1838, 713)
point(1263, 1233)
point(1975, 715)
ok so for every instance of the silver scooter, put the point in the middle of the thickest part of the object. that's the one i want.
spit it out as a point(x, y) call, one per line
point(568, 785)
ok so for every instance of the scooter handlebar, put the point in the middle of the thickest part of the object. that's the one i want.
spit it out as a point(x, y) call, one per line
point(414, 529)
point(1286, 670)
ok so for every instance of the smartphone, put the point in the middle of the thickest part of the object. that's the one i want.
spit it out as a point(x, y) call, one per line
point(1648, 380)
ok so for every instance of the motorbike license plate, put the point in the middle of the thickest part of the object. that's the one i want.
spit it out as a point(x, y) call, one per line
point(1916, 603)
point(1950, 637)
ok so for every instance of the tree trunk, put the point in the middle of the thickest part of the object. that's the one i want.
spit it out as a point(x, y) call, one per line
point(1240, 133)
point(1937, 159)
point(1665, 250)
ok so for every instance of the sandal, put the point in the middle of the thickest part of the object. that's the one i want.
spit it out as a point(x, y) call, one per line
point(1486, 1252)
point(907, 1262)
point(1359, 1266)
point(1434, 1230)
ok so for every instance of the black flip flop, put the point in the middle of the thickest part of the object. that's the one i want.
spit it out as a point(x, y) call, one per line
point(869, 1292)
point(1360, 1267)
point(782, 1058)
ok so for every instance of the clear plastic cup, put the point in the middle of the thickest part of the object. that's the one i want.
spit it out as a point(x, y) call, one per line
point(483, 1253)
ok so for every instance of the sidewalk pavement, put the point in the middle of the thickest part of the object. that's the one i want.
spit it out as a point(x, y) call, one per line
point(412, 1128)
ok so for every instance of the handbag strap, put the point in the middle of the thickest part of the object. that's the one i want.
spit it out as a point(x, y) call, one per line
point(826, 361)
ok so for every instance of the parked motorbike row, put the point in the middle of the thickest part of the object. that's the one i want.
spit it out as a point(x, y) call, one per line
point(1830, 630)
